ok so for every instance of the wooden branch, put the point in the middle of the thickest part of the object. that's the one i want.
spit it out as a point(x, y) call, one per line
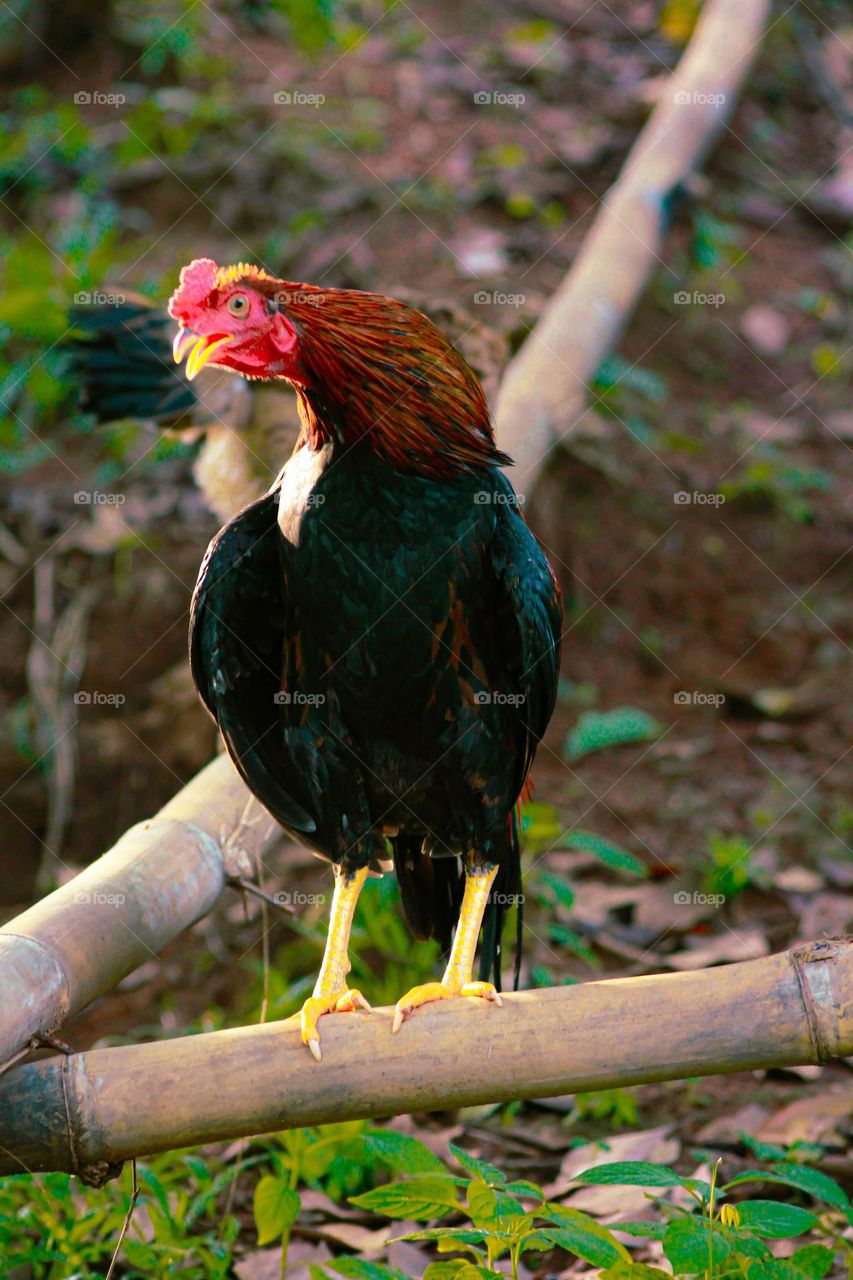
point(162, 876)
point(90, 1112)
point(544, 390)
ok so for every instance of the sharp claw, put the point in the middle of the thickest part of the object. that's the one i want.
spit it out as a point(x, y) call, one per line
point(314, 1046)
point(399, 1019)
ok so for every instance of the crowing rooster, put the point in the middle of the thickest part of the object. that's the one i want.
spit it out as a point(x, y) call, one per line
point(378, 636)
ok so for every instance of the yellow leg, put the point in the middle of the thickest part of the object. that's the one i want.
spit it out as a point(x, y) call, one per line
point(331, 994)
point(458, 974)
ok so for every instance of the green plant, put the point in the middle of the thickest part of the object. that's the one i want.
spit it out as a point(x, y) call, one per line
point(727, 870)
point(703, 1232)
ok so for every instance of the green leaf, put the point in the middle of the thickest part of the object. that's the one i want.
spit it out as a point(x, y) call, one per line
point(465, 1236)
point(644, 1230)
point(581, 1236)
point(482, 1203)
point(401, 1152)
point(607, 852)
point(685, 1244)
point(775, 1221)
point(596, 730)
point(275, 1208)
point(775, 1269)
point(631, 1173)
point(448, 1269)
point(523, 1188)
point(814, 1260)
point(477, 1168)
point(633, 1271)
point(817, 1184)
point(421, 1198)
point(359, 1269)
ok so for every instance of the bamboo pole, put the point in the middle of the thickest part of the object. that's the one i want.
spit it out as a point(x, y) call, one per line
point(161, 876)
point(90, 1112)
point(543, 392)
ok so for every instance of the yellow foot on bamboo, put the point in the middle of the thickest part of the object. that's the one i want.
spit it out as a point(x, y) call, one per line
point(431, 991)
point(343, 1001)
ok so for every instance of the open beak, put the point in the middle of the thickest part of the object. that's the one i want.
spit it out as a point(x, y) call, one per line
point(201, 353)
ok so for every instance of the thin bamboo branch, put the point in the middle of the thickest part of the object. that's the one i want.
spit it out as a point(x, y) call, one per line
point(545, 387)
point(162, 876)
point(90, 1112)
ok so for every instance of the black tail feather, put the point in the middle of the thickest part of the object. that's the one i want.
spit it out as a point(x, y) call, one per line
point(431, 890)
point(506, 891)
point(122, 356)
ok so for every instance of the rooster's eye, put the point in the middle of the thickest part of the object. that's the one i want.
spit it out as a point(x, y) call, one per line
point(238, 305)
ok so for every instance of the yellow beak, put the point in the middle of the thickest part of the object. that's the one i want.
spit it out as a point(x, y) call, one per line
point(201, 354)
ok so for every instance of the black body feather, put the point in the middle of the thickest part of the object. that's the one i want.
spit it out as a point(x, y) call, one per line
point(380, 650)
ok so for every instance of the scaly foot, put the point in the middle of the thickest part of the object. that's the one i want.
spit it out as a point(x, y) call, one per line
point(344, 1001)
point(431, 991)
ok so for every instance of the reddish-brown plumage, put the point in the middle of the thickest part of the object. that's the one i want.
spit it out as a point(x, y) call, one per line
point(363, 365)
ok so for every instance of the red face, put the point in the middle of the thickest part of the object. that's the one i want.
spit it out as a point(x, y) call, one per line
point(232, 325)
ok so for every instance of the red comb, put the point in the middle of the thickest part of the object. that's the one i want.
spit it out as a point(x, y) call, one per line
point(198, 279)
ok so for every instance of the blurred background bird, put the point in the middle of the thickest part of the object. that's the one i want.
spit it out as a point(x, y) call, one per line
point(122, 357)
point(377, 637)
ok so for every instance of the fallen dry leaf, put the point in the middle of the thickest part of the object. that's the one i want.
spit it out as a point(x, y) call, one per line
point(811, 1119)
point(654, 1145)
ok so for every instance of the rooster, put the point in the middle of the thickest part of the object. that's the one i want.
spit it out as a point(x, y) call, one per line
point(377, 636)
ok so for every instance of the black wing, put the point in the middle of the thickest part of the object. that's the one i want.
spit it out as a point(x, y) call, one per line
point(533, 649)
point(236, 641)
